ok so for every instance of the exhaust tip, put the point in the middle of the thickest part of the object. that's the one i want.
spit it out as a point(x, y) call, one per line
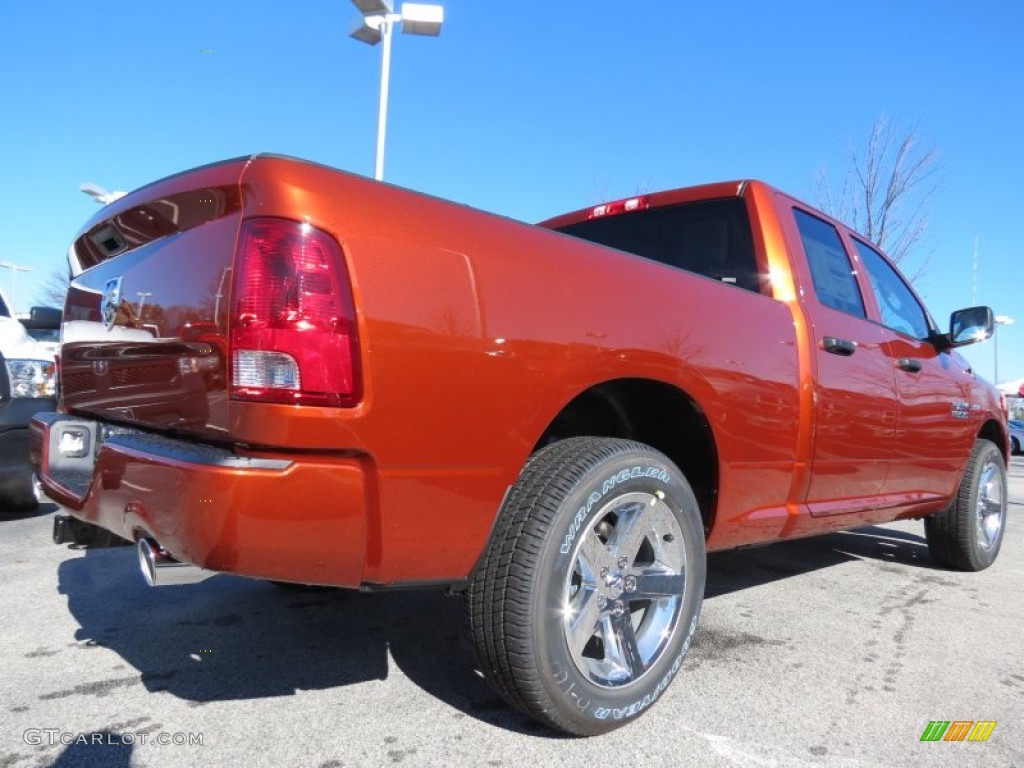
point(147, 557)
point(37, 489)
point(160, 569)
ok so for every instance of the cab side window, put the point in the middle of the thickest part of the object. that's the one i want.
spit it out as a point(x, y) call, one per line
point(834, 280)
point(901, 311)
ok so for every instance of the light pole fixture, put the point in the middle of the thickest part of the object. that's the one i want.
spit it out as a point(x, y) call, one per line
point(143, 295)
point(377, 23)
point(999, 320)
point(99, 194)
point(15, 269)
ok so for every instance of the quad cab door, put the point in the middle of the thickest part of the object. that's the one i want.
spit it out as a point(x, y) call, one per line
point(856, 404)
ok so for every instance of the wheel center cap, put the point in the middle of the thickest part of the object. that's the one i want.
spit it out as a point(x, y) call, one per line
point(614, 583)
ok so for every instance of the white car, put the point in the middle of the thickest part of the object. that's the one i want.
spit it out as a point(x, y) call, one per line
point(28, 384)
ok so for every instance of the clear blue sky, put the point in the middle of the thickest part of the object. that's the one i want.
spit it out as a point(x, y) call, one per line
point(548, 108)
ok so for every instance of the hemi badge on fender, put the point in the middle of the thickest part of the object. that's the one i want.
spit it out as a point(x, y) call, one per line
point(960, 409)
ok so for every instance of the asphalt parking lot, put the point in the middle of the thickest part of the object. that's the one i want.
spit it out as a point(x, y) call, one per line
point(831, 651)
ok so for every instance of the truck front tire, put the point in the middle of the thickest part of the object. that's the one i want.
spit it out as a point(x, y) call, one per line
point(967, 535)
point(587, 599)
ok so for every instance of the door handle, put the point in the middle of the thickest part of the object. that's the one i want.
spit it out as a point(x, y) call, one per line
point(909, 364)
point(840, 347)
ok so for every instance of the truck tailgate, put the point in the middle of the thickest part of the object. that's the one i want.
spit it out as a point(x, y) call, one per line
point(145, 324)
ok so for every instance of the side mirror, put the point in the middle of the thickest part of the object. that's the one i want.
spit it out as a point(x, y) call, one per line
point(44, 319)
point(969, 326)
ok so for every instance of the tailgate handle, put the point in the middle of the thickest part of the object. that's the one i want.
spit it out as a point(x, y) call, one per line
point(908, 364)
point(838, 346)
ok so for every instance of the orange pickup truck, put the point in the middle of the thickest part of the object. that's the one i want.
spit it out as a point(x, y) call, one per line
point(279, 370)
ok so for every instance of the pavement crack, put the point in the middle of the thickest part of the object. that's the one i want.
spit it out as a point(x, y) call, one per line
point(98, 688)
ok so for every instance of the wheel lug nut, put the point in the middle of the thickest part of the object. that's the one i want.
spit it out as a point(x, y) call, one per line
point(618, 608)
point(623, 562)
point(604, 570)
point(602, 603)
point(630, 584)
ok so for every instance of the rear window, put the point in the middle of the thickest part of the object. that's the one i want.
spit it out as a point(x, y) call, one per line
point(711, 238)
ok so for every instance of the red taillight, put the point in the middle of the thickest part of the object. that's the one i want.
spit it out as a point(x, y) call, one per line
point(619, 206)
point(293, 323)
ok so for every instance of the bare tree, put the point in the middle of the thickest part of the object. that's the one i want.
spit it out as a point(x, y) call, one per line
point(887, 188)
point(54, 289)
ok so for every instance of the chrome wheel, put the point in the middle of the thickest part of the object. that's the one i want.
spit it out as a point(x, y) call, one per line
point(624, 592)
point(991, 505)
point(968, 534)
point(588, 596)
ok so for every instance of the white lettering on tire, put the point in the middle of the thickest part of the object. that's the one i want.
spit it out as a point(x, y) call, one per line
point(603, 713)
point(606, 487)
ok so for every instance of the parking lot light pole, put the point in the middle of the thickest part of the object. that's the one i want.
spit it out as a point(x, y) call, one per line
point(999, 320)
point(15, 269)
point(99, 194)
point(143, 295)
point(376, 25)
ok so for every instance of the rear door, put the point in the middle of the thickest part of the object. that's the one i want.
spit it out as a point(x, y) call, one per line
point(855, 390)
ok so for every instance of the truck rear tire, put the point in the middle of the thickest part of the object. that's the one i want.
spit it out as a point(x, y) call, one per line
point(587, 599)
point(967, 535)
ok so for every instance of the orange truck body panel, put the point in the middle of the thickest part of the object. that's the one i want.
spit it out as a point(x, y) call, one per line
point(474, 333)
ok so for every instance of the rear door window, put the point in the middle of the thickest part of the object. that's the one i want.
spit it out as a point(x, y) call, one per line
point(835, 281)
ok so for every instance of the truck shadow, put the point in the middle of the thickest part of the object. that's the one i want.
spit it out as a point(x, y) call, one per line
point(235, 639)
point(46, 508)
point(231, 638)
point(744, 568)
